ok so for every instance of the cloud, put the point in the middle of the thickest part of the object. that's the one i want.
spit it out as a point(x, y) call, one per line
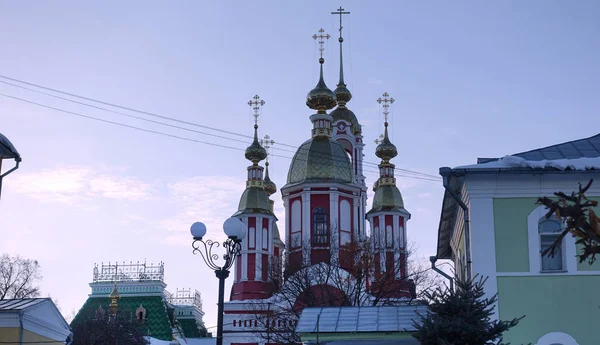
point(72, 185)
point(209, 199)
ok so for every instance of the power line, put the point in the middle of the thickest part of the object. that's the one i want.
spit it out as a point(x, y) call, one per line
point(170, 135)
point(171, 119)
point(118, 123)
point(123, 114)
point(167, 134)
point(125, 108)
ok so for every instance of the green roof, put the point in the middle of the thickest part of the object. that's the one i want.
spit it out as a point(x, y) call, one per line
point(191, 329)
point(157, 323)
point(318, 160)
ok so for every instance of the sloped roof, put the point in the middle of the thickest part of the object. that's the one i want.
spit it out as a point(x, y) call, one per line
point(588, 148)
point(359, 319)
point(20, 304)
point(191, 329)
point(39, 316)
point(157, 323)
point(7, 150)
point(571, 150)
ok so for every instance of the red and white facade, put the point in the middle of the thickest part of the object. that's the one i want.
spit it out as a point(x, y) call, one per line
point(325, 200)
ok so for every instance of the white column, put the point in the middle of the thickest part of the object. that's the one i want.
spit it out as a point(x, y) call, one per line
point(357, 234)
point(334, 222)
point(306, 229)
point(288, 216)
point(244, 261)
point(398, 242)
point(258, 251)
point(381, 237)
point(481, 217)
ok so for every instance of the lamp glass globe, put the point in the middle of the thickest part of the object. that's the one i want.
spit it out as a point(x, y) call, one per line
point(234, 228)
point(198, 230)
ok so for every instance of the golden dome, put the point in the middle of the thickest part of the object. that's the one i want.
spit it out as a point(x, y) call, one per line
point(342, 94)
point(321, 98)
point(268, 185)
point(318, 160)
point(386, 150)
point(255, 152)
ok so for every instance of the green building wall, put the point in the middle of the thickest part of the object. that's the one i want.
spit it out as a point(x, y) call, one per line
point(568, 304)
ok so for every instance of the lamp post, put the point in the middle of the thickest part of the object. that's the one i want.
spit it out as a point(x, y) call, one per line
point(235, 230)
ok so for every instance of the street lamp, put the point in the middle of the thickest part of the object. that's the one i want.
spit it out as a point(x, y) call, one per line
point(235, 230)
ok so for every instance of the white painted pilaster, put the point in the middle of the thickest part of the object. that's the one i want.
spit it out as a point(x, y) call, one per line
point(481, 217)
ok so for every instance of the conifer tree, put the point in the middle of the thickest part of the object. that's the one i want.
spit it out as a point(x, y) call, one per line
point(462, 316)
point(575, 211)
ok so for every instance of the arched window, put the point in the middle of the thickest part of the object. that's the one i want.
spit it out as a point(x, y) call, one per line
point(320, 227)
point(549, 230)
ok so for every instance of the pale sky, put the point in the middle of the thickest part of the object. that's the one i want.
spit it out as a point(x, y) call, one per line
point(470, 79)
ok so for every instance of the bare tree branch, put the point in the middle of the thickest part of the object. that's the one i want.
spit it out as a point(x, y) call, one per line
point(18, 277)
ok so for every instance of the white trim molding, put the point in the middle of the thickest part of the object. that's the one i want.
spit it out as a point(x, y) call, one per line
point(556, 338)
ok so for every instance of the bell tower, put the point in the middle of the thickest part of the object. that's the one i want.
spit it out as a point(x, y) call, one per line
point(252, 279)
point(388, 219)
point(348, 132)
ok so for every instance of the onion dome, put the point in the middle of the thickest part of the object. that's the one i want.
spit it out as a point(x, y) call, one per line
point(320, 159)
point(342, 94)
point(268, 185)
point(386, 150)
point(255, 152)
point(321, 98)
point(387, 198)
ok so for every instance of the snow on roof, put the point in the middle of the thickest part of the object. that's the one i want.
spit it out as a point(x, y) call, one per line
point(511, 162)
point(7, 150)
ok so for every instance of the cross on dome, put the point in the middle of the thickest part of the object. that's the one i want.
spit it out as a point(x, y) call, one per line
point(386, 100)
point(321, 37)
point(267, 143)
point(341, 12)
point(256, 103)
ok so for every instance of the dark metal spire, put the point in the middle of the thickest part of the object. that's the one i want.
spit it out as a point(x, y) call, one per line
point(342, 93)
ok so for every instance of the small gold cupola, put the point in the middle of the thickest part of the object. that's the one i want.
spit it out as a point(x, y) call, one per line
point(255, 152)
point(385, 149)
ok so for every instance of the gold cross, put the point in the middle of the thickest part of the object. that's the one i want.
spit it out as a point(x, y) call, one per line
point(256, 103)
point(386, 100)
point(321, 40)
point(267, 143)
point(379, 140)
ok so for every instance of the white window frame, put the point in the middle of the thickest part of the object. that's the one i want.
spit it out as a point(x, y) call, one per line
point(534, 244)
point(554, 235)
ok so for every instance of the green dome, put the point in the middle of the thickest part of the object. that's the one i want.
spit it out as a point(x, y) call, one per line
point(387, 198)
point(320, 159)
point(343, 113)
point(254, 200)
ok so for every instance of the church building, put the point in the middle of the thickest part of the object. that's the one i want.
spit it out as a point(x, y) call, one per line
point(326, 254)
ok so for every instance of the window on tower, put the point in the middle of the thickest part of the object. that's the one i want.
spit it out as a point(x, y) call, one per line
point(320, 227)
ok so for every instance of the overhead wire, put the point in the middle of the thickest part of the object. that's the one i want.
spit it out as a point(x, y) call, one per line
point(326, 155)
